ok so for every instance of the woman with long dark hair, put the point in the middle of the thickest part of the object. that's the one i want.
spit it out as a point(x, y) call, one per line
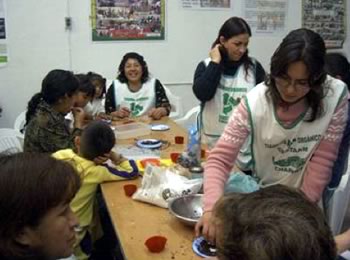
point(223, 79)
point(296, 120)
point(46, 130)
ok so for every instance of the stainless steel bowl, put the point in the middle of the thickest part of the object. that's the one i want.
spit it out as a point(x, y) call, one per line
point(187, 209)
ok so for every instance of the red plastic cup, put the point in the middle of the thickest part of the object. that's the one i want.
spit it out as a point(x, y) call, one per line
point(179, 139)
point(174, 157)
point(156, 244)
point(130, 189)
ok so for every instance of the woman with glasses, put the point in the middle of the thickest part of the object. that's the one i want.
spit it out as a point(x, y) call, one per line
point(296, 119)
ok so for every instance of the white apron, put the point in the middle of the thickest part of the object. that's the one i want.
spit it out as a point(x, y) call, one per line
point(280, 154)
point(139, 102)
point(217, 111)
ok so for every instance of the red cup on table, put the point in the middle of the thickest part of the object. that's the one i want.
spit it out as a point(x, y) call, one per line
point(156, 244)
point(174, 157)
point(130, 189)
point(179, 139)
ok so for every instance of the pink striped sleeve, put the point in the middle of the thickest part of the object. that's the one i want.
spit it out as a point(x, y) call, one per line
point(222, 157)
point(319, 169)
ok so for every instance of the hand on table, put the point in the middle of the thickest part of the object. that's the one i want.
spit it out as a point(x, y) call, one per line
point(206, 227)
point(157, 113)
point(123, 112)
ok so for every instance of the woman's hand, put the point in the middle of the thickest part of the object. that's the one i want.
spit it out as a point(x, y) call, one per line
point(215, 54)
point(157, 113)
point(123, 112)
point(206, 227)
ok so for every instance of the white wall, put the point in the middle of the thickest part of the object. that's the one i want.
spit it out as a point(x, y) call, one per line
point(38, 43)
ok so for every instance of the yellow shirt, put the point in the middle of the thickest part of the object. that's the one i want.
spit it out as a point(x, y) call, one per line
point(91, 176)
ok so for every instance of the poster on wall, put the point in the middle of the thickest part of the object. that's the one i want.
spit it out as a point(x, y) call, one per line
point(114, 20)
point(3, 35)
point(206, 4)
point(326, 17)
point(266, 16)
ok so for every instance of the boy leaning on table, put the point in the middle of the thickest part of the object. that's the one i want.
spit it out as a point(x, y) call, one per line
point(97, 140)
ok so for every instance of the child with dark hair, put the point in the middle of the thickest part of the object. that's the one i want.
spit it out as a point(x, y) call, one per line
point(96, 106)
point(276, 222)
point(85, 93)
point(46, 130)
point(96, 140)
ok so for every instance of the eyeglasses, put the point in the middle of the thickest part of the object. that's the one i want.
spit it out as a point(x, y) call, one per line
point(298, 84)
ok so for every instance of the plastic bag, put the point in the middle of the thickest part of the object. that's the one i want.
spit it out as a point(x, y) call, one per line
point(241, 183)
point(160, 185)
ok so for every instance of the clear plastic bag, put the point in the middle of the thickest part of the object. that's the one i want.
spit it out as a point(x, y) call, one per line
point(160, 185)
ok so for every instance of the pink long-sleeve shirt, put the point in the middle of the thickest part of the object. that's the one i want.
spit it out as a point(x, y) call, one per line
point(318, 170)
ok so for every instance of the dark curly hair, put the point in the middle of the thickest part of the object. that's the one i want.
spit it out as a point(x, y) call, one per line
point(121, 70)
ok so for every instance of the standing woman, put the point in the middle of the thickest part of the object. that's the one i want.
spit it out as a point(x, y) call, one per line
point(134, 92)
point(223, 79)
point(296, 120)
point(46, 130)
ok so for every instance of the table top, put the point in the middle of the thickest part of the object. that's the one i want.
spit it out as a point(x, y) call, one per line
point(136, 221)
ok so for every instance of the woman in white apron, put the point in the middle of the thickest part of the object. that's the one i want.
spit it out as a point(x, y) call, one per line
point(134, 92)
point(296, 121)
point(223, 79)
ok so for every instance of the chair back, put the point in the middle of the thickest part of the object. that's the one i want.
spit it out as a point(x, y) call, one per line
point(176, 104)
point(20, 121)
point(339, 203)
point(10, 140)
point(191, 117)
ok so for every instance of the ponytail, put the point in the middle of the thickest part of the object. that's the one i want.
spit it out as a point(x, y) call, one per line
point(32, 105)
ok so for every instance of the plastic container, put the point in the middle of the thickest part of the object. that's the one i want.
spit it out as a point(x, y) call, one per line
point(131, 130)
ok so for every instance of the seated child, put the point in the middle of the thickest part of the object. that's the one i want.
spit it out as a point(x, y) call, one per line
point(84, 95)
point(96, 106)
point(276, 222)
point(97, 140)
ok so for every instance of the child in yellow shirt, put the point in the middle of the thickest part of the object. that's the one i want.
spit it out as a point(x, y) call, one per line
point(96, 140)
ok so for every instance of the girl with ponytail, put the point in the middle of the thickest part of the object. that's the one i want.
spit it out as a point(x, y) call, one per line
point(46, 131)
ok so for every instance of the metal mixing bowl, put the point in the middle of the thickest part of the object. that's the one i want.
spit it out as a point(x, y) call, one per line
point(187, 209)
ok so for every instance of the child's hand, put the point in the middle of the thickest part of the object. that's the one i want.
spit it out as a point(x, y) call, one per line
point(117, 158)
point(102, 159)
point(79, 116)
point(157, 113)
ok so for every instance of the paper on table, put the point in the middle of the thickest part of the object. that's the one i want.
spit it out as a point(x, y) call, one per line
point(346, 254)
point(136, 153)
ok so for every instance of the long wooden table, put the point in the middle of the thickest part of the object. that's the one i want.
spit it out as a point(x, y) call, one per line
point(136, 221)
